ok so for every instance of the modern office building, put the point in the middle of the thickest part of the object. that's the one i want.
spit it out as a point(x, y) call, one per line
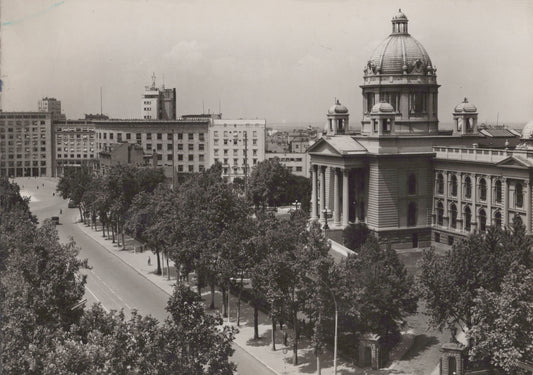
point(53, 106)
point(26, 144)
point(180, 143)
point(237, 144)
point(413, 184)
point(158, 103)
point(74, 144)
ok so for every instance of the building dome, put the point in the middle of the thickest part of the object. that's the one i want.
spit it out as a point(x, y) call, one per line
point(382, 107)
point(337, 108)
point(400, 53)
point(527, 131)
point(465, 107)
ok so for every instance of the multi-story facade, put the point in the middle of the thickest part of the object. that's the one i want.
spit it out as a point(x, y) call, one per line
point(158, 103)
point(296, 162)
point(182, 143)
point(384, 175)
point(74, 144)
point(237, 144)
point(26, 144)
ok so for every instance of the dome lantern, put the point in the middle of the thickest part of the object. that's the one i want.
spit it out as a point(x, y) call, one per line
point(399, 23)
point(338, 119)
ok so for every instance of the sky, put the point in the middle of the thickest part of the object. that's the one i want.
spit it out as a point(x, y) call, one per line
point(281, 60)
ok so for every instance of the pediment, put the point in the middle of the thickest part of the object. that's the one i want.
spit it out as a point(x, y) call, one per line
point(513, 161)
point(323, 148)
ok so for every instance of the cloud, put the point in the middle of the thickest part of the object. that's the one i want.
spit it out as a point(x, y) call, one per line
point(186, 54)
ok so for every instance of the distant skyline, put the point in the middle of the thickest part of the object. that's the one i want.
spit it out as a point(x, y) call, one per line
point(284, 61)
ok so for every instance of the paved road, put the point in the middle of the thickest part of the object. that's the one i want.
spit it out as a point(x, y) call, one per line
point(110, 281)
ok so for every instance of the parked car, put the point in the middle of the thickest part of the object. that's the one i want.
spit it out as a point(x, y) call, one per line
point(71, 204)
point(55, 220)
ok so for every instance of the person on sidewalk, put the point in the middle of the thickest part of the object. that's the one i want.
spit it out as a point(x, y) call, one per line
point(149, 261)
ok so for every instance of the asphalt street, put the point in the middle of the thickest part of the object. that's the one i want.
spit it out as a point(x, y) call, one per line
point(109, 280)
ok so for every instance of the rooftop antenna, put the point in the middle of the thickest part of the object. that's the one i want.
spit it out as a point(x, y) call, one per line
point(219, 107)
point(153, 80)
point(163, 85)
point(101, 112)
point(203, 107)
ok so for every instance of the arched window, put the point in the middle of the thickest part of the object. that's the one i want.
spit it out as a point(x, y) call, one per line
point(482, 189)
point(482, 220)
point(468, 187)
point(440, 214)
point(454, 185)
point(468, 219)
point(440, 183)
point(411, 214)
point(453, 214)
point(498, 191)
point(498, 219)
point(411, 184)
point(519, 195)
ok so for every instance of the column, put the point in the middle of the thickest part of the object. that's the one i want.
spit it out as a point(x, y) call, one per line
point(314, 195)
point(505, 193)
point(345, 195)
point(322, 192)
point(473, 219)
point(459, 224)
point(489, 201)
point(336, 198)
point(527, 201)
point(446, 220)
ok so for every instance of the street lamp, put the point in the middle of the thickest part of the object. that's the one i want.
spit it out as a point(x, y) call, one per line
point(296, 204)
point(316, 279)
point(325, 212)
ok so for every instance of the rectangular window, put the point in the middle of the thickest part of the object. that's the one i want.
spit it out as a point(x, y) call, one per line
point(169, 146)
point(180, 157)
point(191, 147)
point(159, 146)
point(201, 147)
point(201, 137)
point(369, 101)
point(180, 146)
point(201, 157)
point(128, 136)
point(149, 136)
point(159, 136)
point(169, 136)
point(191, 168)
point(180, 136)
point(191, 136)
point(191, 157)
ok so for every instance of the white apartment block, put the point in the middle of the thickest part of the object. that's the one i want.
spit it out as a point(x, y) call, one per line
point(298, 163)
point(237, 144)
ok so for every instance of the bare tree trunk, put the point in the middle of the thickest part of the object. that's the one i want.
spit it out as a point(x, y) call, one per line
point(273, 334)
point(168, 269)
point(224, 303)
point(239, 304)
point(212, 305)
point(158, 272)
point(123, 242)
point(256, 321)
point(295, 342)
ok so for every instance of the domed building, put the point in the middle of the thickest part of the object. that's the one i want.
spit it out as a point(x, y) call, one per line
point(411, 183)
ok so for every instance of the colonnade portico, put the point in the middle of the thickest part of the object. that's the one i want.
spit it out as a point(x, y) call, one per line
point(340, 194)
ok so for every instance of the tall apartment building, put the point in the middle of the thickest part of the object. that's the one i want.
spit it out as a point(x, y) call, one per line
point(158, 103)
point(75, 144)
point(53, 106)
point(180, 143)
point(237, 144)
point(26, 144)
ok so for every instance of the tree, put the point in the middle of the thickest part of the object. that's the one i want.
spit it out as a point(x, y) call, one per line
point(376, 293)
point(74, 183)
point(504, 329)
point(450, 284)
point(269, 184)
point(355, 235)
point(199, 338)
point(300, 191)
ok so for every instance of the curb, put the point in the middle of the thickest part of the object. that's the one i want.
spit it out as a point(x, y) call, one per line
point(81, 225)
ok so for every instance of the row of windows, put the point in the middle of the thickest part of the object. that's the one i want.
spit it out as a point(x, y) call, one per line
point(229, 141)
point(467, 214)
point(235, 161)
point(76, 156)
point(190, 147)
point(482, 189)
point(27, 163)
point(227, 133)
point(235, 152)
point(201, 157)
point(158, 136)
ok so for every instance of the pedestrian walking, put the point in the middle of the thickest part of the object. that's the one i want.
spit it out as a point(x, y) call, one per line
point(149, 261)
point(60, 211)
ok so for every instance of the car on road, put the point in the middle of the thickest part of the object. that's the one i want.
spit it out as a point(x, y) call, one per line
point(71, 204)
point(55, 220)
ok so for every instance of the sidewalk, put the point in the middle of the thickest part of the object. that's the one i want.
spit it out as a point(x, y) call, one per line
point(277, 361)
